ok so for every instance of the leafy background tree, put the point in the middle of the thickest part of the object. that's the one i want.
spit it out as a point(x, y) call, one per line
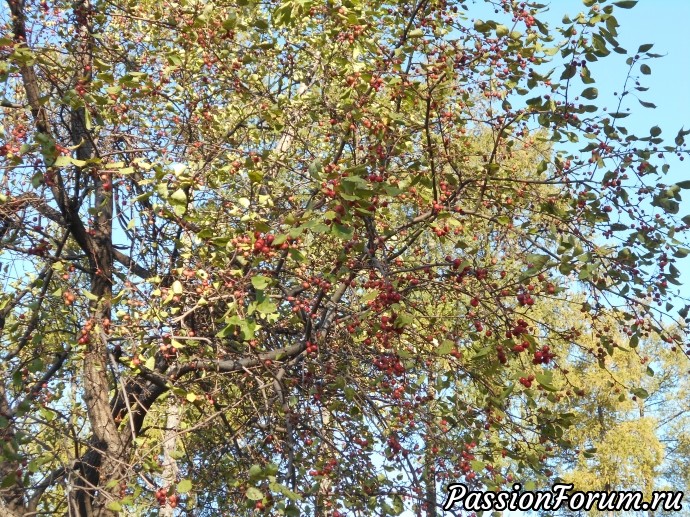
point(315, 258)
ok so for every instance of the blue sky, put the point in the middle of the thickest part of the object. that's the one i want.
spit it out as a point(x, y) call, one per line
point(665, 23)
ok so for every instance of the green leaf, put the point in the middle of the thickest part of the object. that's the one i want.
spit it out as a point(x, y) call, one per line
point(647, 104)
point(645, 47)
point(255, 470)
point(536, 260)
point(62, 161)
point(625, 4)
point(342, 232)
point(645, 69)
point(590, 93)
point(178, 168)
point(260, 24)
point(177, 287)
point(640, 392)
point(9, 480)
point(481, 26)
point(544, 381)
point(90, 295)
point(681, 252)
point(35, 366)
point(115, 506)
point(267, 307)
point(403, 320)
point(444, 348)
point(502, 30)
point(569, 72)
point(254, 494)
point(481, 353)
point(477, 465)
point(178, 200)
point(371, 295)
point(184, 486)
point(260, 282)
point(37, 180)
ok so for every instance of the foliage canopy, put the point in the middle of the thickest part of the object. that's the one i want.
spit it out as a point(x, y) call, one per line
point(316, 258)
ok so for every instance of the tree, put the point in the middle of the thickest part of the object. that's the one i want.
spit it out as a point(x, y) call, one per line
point(629, 430)
point(275, 256)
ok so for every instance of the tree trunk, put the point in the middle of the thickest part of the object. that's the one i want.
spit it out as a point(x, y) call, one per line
point(170, 469)
point(102, 462)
